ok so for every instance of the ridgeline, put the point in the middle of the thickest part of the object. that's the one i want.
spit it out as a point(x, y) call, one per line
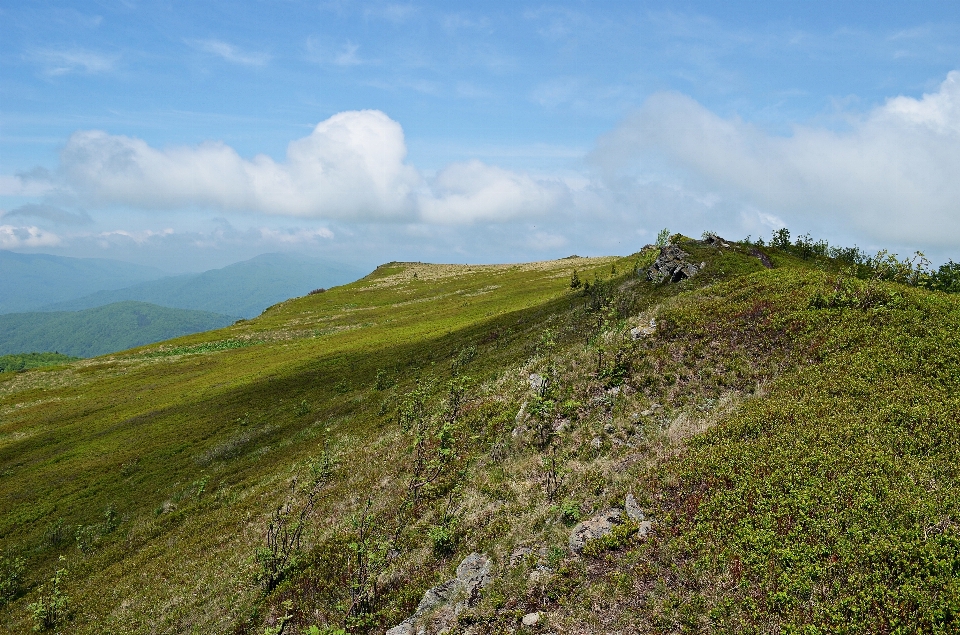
point(709, 437)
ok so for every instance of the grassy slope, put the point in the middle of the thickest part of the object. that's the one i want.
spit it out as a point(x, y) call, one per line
point(101, 330)
point(140, 431)
point(802, 465)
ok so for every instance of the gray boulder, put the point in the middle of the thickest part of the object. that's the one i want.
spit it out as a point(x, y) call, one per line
point(672, 266)
point(596, 527)
point(636, 514)
point(438, 610)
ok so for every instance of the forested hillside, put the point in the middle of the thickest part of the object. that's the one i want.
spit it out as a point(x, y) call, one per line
point(101, 330)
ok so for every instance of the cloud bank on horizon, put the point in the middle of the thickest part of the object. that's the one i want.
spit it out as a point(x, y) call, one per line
point(492, 133)
point(893, 173)
point(351, 167)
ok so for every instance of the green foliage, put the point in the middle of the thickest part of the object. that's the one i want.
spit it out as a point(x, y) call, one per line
point(946, 278)
point(618, 538)
point(383, 380)
point(52, 607)
point(12, 569)
point(575, 282)
point(101, 330)
point(25, 361)
point(570, 512)
point(663, 237)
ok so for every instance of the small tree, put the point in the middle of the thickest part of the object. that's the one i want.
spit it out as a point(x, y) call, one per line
point(575, 282)
point(781, 238)
point(663, 238)
point(51, 608)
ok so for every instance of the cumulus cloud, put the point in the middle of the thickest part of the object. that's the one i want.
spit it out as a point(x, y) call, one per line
point(351, 167)
point(893, 175)
point(474, 191)
point(12, 237)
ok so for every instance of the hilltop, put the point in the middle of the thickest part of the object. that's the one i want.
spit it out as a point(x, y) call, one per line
point(781, 420)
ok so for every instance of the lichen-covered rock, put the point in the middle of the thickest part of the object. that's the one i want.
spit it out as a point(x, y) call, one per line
point(633, 510)
point(438, 610)
point(672, 266)
point(644, 330)
point(596, 527)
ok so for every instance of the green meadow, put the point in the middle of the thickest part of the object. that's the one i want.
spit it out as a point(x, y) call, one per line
point(792, 431)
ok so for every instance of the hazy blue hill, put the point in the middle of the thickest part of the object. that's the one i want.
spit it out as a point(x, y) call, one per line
point(243, 289)
point(101, 330)
point(30, 281)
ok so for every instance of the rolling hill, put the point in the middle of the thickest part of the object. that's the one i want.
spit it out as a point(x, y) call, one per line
point(773, 432)
point(243, 289)
point(101, 330)
point(30, 281)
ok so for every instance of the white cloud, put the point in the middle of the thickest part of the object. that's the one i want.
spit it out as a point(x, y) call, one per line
point(24, 185)
point(232, 54)
point(352, 166)
point(475, 191)
point(893, 176)
point(61, 62)
point(295, 236)
point(12, 237)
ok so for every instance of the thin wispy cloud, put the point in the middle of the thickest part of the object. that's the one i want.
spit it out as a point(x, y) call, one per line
point(396, 13)
point(233, 54)
point(347, 56)
point(63, 61)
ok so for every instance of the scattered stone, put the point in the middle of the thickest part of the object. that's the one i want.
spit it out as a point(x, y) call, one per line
point(762, 257)
point(597, 527)
point(644, 330)
point(519, 554)
point(608, 428)
point(440, 606)
point(633, 509)
point(596, 442)
point(715, 241)
point(539, 573)
point(530, 619)
point(672, 266)
point(538, 383)
point(521, 414)
point(614, 391)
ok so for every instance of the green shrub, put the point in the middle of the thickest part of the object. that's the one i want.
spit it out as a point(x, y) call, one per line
point(52, 607)
point(11, 578)
point(570, 512)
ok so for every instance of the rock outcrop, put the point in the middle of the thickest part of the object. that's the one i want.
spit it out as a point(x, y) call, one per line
point(438, 610)
point(603, 523)
point(672, 265)
point(596, 527)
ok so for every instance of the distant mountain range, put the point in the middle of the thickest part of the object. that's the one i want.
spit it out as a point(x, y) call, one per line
point(30, 281)
point(101, 330)
point(87, 307)
point(42, 282)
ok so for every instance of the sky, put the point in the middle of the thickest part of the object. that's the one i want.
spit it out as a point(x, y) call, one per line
point(189, 135)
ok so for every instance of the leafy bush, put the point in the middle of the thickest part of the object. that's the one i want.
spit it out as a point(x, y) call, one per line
point(52, 607)
point(11, 578)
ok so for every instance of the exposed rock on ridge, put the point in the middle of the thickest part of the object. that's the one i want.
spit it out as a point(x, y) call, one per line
point(672, 266)
point(438, 610)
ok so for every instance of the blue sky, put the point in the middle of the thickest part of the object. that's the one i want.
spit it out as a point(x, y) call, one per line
point(188, 135)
